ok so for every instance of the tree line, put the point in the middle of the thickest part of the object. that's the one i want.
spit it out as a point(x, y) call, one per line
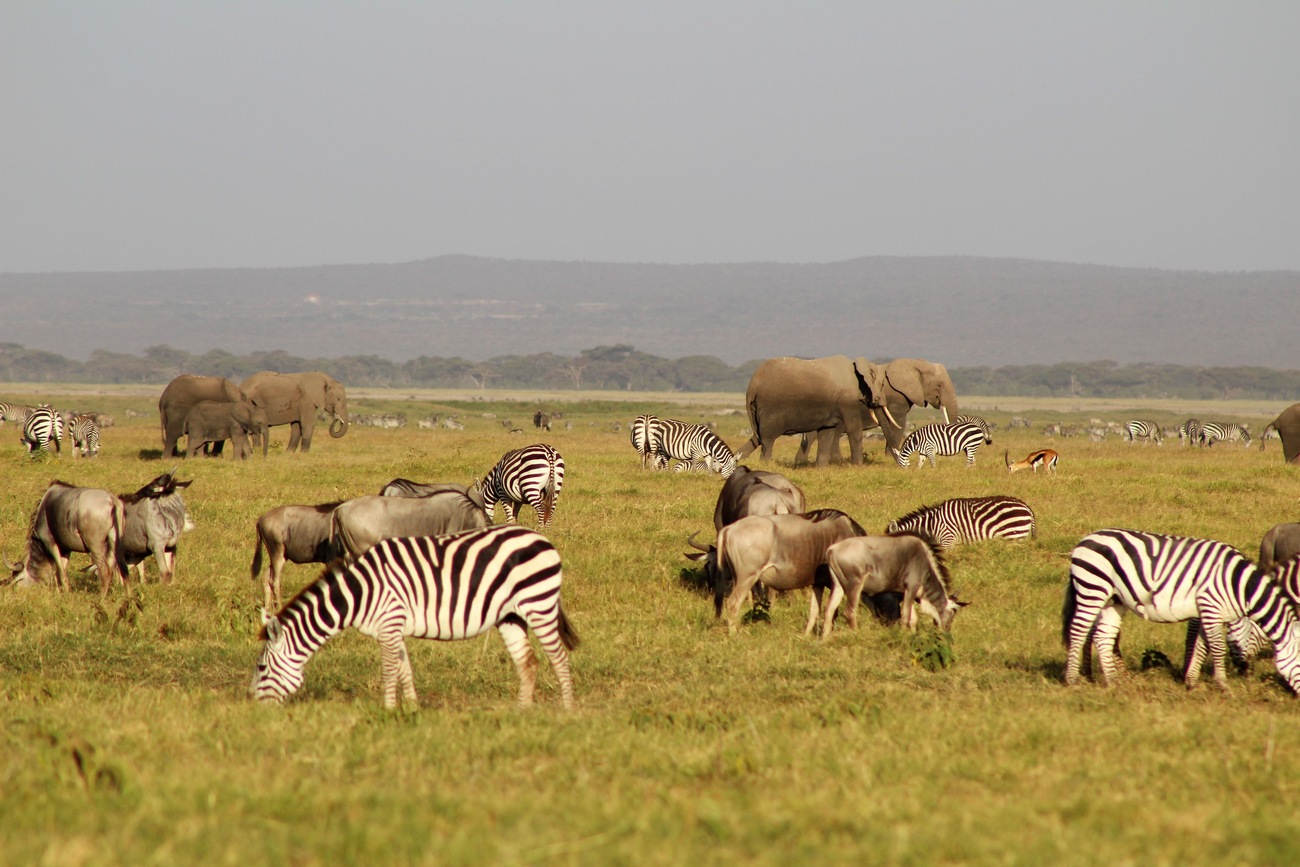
point(623, 368)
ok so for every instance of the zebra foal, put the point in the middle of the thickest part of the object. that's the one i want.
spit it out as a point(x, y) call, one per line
point(444, 588)
point(693, 444)
point(1171, 579)
point(532, 476)
point(941, 439)
point(84, 430)
point(968, 519)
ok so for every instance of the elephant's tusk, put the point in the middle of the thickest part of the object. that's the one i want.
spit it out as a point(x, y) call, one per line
point(890, 416)
point(945, 414)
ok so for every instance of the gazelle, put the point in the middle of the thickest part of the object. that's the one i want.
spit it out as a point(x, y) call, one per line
point(1042, 457)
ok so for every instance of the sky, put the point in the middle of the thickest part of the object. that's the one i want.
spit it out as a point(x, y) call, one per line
point(164, 135)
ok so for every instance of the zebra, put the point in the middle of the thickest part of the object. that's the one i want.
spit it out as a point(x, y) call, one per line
point(1168, 579)
point(966, 519)
point(979, 422)
point(43, 426)
point(941, 439)
point(16, 413)
point(684, 441)
point(1214, 431)
point(439, 587)
point(1189, 432)
point(696, 466)
point(84, 430)
point(1147, 431)
point(532, 475)
point(644, 434)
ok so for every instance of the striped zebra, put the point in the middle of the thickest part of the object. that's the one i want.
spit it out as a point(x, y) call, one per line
point(644, 434)
point(967, 519)
point(1215, 431)
point(684, 441)
point(530, 476)
point(1145, 430)
point(1189, 432)
point(439, 587)
point(941, 439)
point(979, 422)
point(16, 413)
point(1245, 639)
point(84, 430)
point(1170, 579)
point(43, 426)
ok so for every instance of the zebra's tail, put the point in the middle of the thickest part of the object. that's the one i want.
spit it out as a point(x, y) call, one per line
point(548, 490)
point(568, 635)
point(1067, 611)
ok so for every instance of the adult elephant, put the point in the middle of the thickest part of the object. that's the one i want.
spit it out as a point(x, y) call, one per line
point(295, 398)
point(1287, 426)
point(910, 382)
point(215, 421)
point(788, 396)
point(180, 396)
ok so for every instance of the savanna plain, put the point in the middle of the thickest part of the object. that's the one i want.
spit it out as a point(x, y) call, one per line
point(129, 737)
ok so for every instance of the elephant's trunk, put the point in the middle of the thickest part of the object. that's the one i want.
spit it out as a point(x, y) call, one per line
point(339, 426)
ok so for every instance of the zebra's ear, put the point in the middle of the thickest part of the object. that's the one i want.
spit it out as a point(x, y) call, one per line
point(270, 627)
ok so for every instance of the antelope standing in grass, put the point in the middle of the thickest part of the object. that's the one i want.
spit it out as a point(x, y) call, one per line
point(1041, 458)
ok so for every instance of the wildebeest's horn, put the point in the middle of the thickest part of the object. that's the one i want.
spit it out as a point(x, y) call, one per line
point(690, 540)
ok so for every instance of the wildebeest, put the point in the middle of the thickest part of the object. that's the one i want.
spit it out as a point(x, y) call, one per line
point(755, 492)
point(905, 562)
point(408, 488)
point(784, 552)
point(298, 534)
point(1280, 544)
point(542, 420)
point(70, 520)
point(155, 519)
point(358, 524)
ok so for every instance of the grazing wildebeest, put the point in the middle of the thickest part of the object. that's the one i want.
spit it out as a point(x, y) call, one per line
point(155, 519)
point(905, 562)
point(70, 520)
point(755, 492)
point(408, 488)
point(1280, 544)
point(784, 552)
point(358, 524)
point(298, 534)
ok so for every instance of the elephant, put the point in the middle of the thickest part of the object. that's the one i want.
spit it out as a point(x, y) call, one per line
point(180, 396)
point(1287, 426)
point(295, 398)
point(798, 401)
point(214, 421)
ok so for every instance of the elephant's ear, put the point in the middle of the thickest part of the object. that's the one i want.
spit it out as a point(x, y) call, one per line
point(871, 380)
point(905, 378)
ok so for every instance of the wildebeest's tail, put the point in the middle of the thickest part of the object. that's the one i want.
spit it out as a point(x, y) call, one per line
point(1067, 611)
point(256, 568)
point(568, 635)
point(723, 577)
point(119, 550)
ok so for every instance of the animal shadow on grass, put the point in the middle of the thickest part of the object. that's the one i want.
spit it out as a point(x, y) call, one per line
point(149, 454)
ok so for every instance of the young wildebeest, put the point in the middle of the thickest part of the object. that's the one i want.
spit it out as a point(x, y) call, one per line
point(155, 519)
point(906, 563)
point(299, 534)
point(784, 552)
point(358, 524)
point(69, 520)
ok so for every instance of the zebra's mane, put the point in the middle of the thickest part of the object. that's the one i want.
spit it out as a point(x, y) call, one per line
point(334, 567)
point(915, 513)
point(941, 566)
point(819, 515)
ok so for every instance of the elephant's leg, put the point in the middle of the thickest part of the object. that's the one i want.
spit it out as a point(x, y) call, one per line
point(826, 443)
point(295, 434)
point(308, 425)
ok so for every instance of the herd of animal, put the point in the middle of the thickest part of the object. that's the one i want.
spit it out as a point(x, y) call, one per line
point(42, 427)
point(425, 560)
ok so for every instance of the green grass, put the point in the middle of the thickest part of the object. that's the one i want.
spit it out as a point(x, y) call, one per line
point(128, 737)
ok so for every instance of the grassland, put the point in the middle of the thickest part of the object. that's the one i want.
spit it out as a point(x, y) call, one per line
point(129, 738)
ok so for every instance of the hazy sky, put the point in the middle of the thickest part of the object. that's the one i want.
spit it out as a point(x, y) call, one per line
point(140, 135)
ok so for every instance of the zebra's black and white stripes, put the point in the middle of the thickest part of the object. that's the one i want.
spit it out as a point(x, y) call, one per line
point(1189, 432)
point(645, 438)
point(693, 443)
point(84, 430)
point(16, 413)
point(532, 475)
point(1145, 430)
point(1213, 432)
point(43, 426)
point(941, 439)
point(967, 519)
point(439, 587)
point(1169, 579)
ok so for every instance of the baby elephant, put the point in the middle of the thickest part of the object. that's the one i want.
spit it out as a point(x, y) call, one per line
point(214, 421)
point(905, 563)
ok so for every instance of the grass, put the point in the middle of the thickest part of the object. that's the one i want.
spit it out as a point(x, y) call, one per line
point(128, 737)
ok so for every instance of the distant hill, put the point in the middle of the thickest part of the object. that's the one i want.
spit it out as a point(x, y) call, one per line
point(963, 311)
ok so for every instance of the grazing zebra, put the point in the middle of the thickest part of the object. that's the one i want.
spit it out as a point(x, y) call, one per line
point(699, 466)
point(1214, 431)
point(684, 441)
point(941, 439)
point(16, 413)
point(84, 430)
point(532, 476)
point(645, 439)
point(978, 422)
point(1147, 431)
point(43, 426)
point(440, 587)
point(1189, 432)
point(966, 519)
point(1169, 579)
point(1246, 639)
